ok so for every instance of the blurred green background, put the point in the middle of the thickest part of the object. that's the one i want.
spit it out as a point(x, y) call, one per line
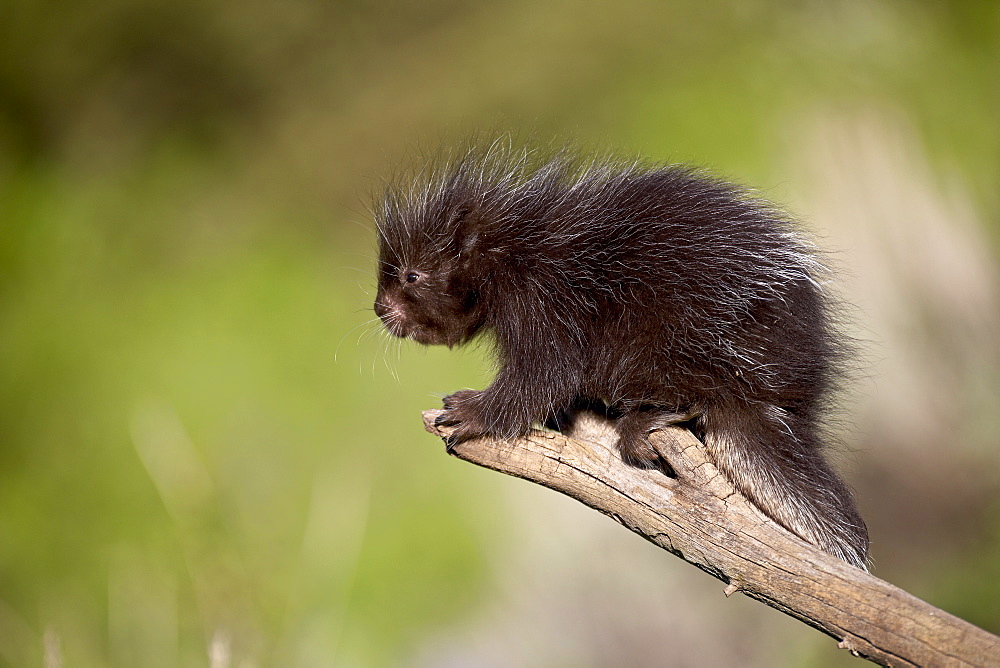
point(210, 455)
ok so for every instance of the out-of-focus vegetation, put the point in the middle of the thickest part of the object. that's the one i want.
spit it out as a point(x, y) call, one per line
point(206, 454)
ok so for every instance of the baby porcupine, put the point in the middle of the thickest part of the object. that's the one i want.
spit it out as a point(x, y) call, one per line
point(664, 293)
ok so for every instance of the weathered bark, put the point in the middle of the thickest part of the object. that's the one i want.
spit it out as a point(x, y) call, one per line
point(700, 517)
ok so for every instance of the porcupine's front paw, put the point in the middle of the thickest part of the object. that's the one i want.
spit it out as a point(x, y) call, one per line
point(456, 398)
point(461, 413)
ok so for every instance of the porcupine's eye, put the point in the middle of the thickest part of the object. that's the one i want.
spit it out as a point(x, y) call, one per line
point(412, 277)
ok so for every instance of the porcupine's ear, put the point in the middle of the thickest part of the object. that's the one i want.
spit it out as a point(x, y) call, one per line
point(467, 237)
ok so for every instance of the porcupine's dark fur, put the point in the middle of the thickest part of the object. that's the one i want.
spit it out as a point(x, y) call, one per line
point(662, 292)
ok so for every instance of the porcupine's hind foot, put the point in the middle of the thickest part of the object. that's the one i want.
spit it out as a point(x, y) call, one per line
point(634, 428)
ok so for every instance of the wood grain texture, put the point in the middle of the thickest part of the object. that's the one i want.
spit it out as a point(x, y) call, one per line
point(699, 517)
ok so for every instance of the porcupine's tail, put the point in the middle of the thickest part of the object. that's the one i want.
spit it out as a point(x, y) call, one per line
point(776, 462)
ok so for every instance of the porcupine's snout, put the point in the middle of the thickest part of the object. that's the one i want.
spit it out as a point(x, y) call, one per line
point(392, 316)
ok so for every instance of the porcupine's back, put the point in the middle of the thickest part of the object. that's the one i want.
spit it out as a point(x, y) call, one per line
point(665, 269)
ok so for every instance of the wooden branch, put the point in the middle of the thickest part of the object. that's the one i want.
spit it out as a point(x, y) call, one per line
point(700, 517)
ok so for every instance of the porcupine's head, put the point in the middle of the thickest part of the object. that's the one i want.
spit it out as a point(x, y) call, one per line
point(430, 265)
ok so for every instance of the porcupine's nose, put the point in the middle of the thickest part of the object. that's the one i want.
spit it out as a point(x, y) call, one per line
point(391, 316)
